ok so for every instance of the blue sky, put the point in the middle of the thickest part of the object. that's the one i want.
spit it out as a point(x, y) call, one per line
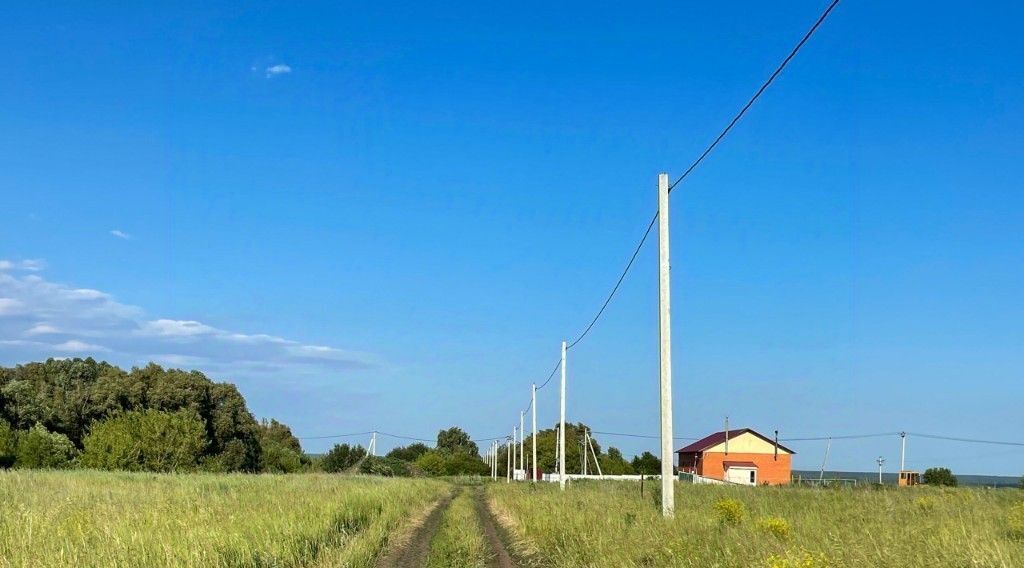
point(389, 216)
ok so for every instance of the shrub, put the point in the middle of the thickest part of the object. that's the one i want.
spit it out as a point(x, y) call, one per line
point(388, 467)
point(1016, 520)
point(149, 440)
point(940, 476)
point(278, 458)
point(431, 463)
point(730, 511)
point(439, 462)
point(775, 526)
point(798, 559)
point(8, 445)
point(924, 503)
point(40, 448)
point(341, 457)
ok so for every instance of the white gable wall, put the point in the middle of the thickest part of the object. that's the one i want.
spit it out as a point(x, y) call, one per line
point(747, 443)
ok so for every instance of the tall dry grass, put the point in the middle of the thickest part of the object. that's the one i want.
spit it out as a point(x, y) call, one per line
point(609, 524)
point(102, 519)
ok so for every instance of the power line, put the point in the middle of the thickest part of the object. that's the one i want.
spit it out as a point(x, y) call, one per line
point(404, 437)
point(697, 162)
point(966, 440)
point(623, 434)
point(844, 437)
point(618, 283)
point(335, 436)
point(760, 91)
point(553, 371)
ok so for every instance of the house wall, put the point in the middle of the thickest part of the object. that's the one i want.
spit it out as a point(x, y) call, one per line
point(747, 443)
point(770, 471)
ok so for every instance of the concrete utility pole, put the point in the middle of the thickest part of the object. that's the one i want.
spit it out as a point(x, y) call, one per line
point(903, 451)
point(533, 462)
point(824, 462)
point(880, 461)
point(593, 453)
point(522, 442)
point(561, 427)
point(373, 444)
point(515, 452)
point(726, 435)
point(668, 497)
point(508, 463)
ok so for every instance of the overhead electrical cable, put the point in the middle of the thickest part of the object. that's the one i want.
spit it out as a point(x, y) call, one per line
point(721, 136)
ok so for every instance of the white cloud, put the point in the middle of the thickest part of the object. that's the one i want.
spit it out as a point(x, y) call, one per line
point(120, 234)
point(10, 306)
point(57, 319)
point(279, 69)
point(175, 328)
point(76, 346)
point(29, 265)
point(42, 328)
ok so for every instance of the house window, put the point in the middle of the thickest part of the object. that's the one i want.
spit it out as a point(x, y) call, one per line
point(752, 477)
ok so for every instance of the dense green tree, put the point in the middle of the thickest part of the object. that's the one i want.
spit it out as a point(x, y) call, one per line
point(437, 463)
point(8, 445)
point(42, 449)
point(455, 439)
point(939, 476)
point(431, 463)
point(341, 457)
point(647, 464)
point(612, 463)
point(69, 395)
point(146, 440)
point(280, 450)
point(409, 453)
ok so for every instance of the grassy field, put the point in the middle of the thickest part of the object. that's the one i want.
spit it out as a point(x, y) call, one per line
point(609, 524)
point(92, 519)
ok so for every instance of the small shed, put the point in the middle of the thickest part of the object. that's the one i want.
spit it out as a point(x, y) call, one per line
point(741, 456)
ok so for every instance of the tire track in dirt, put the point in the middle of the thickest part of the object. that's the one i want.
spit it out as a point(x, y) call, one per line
point(414, 548)
point(499, 557)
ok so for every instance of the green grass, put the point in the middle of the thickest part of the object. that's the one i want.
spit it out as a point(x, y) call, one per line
point(459, 542)
point(99, 519)
point(609, 524)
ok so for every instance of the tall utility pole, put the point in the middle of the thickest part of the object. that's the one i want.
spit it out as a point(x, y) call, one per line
point(522, 441)
point(880, 461)
point(726, 435)
point(903, 451)
point(533, 462)
point(824, 462)
point(515, 452)
point(668, 497)
point(561, 427)
point(508, 463)
point(373, 445)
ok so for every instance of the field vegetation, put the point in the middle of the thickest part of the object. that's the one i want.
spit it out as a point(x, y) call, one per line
point(610, 524)
point(104, 519)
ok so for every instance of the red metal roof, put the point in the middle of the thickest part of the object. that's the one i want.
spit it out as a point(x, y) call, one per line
point(739, 464)
point(719, 437)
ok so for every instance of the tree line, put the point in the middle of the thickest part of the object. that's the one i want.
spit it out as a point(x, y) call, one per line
point(79, 412)
point(65, 413)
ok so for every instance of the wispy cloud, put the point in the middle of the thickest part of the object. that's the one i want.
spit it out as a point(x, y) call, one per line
point(275, 70)
point(40, 318)
point(120, 234)
point(29, 264)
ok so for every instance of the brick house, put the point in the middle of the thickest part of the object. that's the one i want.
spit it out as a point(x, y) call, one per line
point(738, 456)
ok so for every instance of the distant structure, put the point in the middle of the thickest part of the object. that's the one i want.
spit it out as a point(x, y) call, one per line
point(741, 456)
point(909, 478)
